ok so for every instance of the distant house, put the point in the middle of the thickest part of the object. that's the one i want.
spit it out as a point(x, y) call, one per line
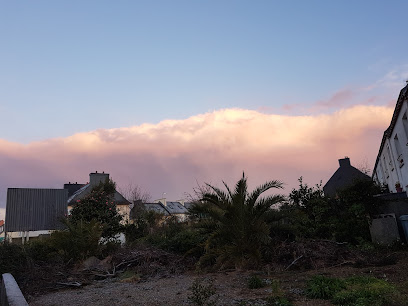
point(344, 176)
point(390, 167)
point(177, 209)
point(1, 230)
point(79, 191)
point(31, 212)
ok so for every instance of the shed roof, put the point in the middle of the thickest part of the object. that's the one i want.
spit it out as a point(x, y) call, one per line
point(31, 209)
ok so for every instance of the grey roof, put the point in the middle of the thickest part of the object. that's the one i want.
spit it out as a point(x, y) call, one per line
point(30, 209)
point(344, 176)
point(85, 190)
point(175, 208)
point(94, 180)
point(157, 207)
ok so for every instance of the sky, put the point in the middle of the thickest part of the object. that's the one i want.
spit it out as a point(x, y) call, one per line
point(166, 95)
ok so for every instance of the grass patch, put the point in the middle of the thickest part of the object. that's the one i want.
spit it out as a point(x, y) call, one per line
point(356, 291)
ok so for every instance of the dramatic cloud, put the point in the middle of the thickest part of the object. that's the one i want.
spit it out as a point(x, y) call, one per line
point(173, 155)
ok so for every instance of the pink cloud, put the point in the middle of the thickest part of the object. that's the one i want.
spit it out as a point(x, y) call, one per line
point(172, 155)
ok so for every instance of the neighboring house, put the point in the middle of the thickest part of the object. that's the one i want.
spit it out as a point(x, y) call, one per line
point(344, 176)
point(390, 168)
point(1, 230)
point(32, 212)
point(162, 206)
point(79, 191)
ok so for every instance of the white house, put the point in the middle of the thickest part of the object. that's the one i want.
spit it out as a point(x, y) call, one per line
point(390, 167)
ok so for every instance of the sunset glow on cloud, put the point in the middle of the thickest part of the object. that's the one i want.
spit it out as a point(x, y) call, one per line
point(173, 155)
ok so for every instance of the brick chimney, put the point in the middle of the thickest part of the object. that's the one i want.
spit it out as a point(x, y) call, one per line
point(344, 162)
point(96, 178)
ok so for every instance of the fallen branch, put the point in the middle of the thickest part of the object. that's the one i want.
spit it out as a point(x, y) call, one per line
point(293, 262)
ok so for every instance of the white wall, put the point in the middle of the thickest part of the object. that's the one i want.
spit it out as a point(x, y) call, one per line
point(393, 164)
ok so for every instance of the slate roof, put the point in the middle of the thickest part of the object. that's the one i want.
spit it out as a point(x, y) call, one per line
point(94, 180)
point(175, 208)
point(32, 209)
point(343, 177)
point(157, 207)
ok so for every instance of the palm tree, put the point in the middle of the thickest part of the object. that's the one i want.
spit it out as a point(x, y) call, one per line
point(237, 223)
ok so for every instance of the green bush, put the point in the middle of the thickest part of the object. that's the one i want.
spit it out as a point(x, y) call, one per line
point(79, 241)
point(321, 287)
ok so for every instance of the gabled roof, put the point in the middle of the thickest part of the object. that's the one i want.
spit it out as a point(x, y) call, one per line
point(94, 180)
point(388, 132)
point(344, 176)
point(175, 208)
point(31, 209)
point(157, 207)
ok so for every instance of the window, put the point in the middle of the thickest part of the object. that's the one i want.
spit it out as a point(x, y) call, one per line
point(398, 148)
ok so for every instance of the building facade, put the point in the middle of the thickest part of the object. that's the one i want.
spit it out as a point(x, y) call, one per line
point(390, 168)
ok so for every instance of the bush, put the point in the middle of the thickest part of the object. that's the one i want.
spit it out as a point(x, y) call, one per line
point(79, 241)
point(321, 287)
point(13, 258)
point(254, 282)
point(202, 292)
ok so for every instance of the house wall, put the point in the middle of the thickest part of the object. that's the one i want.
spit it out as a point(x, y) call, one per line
point(392, 165)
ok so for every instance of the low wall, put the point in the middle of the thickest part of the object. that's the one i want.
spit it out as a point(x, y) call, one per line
point(10, 293)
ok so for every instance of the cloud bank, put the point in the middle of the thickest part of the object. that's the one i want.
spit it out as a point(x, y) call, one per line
point(173, 155)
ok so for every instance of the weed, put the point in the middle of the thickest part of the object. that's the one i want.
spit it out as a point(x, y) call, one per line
point(358, 290)
point(254, 282)
point(278, 301)
point(202, 292)
point(321, 287)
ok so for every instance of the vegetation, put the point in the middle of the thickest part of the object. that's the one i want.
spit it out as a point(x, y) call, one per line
point(237, 223)
point(345, 218)
point(254, 282)
point(360, 291)
point(99, 206)
point(202, 292)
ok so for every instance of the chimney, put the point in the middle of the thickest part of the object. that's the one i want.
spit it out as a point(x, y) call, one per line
point(181, 201)
point(344, 162)
point(96, 178)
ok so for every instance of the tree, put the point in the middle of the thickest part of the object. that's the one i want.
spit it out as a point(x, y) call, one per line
point(237, 222)
point(99, 206)
point(134, 193)
point(345, 218)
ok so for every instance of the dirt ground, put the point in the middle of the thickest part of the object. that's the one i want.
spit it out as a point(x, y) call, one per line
point(288, 279)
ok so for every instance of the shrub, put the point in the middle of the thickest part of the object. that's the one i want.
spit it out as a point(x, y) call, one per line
point(79, 241)
point(321, 287)
point(254, 282)
point(13, 258)
point(202, 292)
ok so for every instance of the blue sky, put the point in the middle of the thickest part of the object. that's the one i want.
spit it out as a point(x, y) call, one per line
point(76, 66)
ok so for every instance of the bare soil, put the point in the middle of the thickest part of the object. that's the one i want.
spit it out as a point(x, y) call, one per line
point(160, 278)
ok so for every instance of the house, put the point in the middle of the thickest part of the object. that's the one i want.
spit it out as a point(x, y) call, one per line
point(1, 230)
point(79, 191)
point(32, 212)
point(177, 209)
point(344, 176)
point(390, 169)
